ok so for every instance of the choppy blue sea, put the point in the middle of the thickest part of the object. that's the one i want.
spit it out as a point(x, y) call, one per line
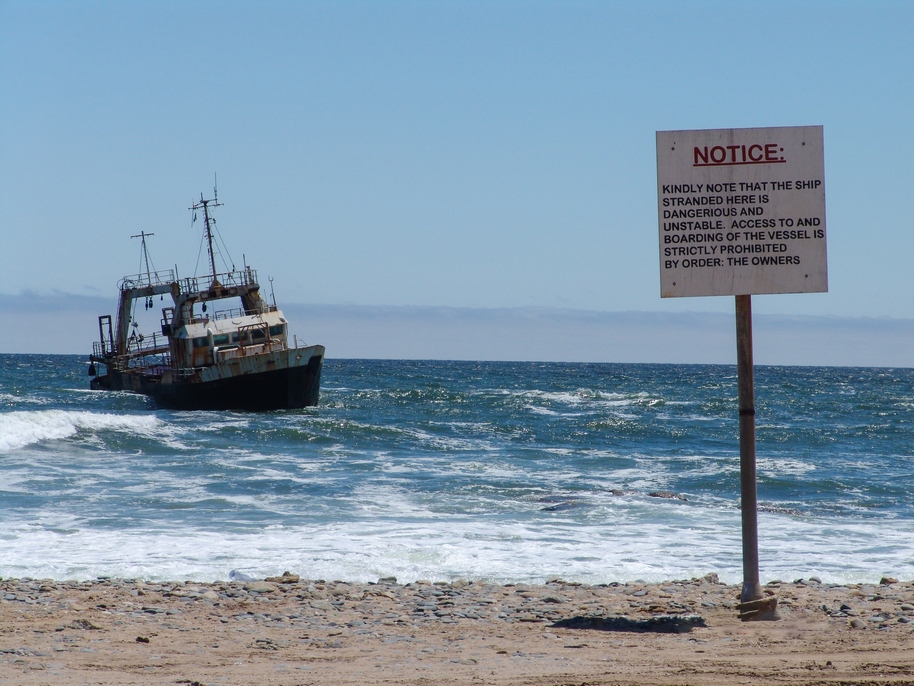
point(443, 470)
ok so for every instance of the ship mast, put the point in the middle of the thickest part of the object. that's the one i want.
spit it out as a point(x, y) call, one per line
point(142, 235)
point(209, 223)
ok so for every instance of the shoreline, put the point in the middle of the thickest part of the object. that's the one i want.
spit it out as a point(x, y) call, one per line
point(285, 630)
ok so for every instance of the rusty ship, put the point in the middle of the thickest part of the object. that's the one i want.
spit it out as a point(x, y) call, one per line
point(219, 345)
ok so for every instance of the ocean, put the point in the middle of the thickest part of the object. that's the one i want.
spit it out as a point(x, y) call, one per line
point(497, 471)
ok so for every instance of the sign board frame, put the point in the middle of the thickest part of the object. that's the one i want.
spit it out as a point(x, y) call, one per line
point(742, 211)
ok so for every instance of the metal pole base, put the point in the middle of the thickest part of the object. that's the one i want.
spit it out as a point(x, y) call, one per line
point(751, 591)
point(764, 609)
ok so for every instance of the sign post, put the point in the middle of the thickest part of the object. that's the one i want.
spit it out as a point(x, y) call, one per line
point(742, 211)
point(752, 588)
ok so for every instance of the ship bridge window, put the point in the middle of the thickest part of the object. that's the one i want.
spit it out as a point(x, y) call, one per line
point(276, 330)
point(258, 334)
point(221, 339)
point(201, 342)
point(242, 336)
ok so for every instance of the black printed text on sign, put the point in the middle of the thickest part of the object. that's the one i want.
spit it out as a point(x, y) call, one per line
point(741, 211)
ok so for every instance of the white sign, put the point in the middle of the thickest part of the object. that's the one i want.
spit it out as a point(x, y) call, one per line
point(741, 211)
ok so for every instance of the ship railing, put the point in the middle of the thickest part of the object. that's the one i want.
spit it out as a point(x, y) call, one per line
point(236, 312)
point(100, 350)
point(297, 344)
point(232, 314)
point(140, 345)
point(151, 365)
point(232, 279)
point(146, 279)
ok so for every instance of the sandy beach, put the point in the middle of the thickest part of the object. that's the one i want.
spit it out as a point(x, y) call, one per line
point(289, 631)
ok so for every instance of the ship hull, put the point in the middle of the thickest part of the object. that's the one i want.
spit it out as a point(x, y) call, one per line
point(286, 380)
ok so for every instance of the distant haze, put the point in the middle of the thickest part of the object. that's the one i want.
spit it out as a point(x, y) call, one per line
point(67, 324)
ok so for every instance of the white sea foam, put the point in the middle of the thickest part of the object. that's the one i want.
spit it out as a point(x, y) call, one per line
point(19, 429)
point(445, 443)
point(545, 411)
point(581, 396)
point(784, 467)
point(618, 548)
point(17, 400)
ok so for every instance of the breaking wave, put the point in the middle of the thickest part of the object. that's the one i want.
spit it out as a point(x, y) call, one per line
point(19, 429)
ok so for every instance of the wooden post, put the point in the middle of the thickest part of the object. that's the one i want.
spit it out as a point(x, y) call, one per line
point(754, 605)
point(752, 589)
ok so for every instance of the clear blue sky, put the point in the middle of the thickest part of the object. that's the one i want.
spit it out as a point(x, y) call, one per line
point(459, 154)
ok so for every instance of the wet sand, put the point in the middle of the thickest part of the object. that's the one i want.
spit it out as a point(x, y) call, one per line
point(290, 632)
